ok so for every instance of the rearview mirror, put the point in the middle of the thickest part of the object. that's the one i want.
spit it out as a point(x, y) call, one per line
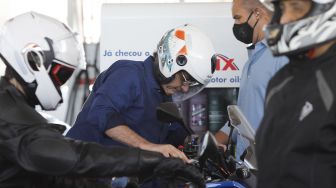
point(244, 128)
point(208, 148)
point(168, 112)
point(209, 155)
point(239, 121)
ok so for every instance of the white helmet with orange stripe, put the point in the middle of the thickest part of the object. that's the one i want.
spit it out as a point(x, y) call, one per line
point(188, 49)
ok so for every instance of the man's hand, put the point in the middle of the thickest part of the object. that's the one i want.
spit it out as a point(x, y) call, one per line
point(166, 150)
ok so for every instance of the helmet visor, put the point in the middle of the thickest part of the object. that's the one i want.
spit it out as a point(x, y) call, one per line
point(66, 55)
point(189, 88)
point(68, 50)
point(60, 73)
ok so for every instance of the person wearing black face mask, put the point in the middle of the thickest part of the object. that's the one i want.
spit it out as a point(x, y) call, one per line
point(250, 16)
point(244, 32)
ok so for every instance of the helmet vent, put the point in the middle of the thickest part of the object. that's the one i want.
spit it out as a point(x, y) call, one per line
point(181, 60)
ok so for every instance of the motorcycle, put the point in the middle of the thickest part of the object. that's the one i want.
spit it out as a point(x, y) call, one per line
point(220, 168)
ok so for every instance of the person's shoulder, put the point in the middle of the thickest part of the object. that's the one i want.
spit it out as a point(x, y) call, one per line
point(268, 53)
point(126, 65)
point(273, 63)
point(123, 69)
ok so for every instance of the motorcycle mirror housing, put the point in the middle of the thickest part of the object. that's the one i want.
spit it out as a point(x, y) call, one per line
point(239, 121)
point(208, 145)
point(168, 112)
point(244, 128)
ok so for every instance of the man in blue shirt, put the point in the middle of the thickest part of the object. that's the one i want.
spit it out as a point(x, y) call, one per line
point(250, 17)
point(121, 110)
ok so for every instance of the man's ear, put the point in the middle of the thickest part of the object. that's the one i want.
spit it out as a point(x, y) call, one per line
point(258, 13)
point(261, 13)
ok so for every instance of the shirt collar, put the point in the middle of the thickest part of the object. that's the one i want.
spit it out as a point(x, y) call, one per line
point(260, 45)
point(254, 48)
point(149, 70)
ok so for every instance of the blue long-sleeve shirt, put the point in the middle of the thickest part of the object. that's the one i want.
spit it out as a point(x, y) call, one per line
point(257, 71)
point(125, 94)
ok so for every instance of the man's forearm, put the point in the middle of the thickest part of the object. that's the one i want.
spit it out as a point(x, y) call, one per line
point(127, 136)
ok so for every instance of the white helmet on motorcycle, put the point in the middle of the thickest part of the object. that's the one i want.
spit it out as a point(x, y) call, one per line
point(185, 49)
point(43, 53)
point(317, 27)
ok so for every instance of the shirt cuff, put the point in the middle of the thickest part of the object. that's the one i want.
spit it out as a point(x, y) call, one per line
point(114, 120)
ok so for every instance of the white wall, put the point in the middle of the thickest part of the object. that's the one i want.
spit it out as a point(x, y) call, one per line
point(53, 8)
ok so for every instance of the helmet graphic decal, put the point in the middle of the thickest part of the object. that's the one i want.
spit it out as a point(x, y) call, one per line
point(181, 35)
point(165, 52)
point(172, 45)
